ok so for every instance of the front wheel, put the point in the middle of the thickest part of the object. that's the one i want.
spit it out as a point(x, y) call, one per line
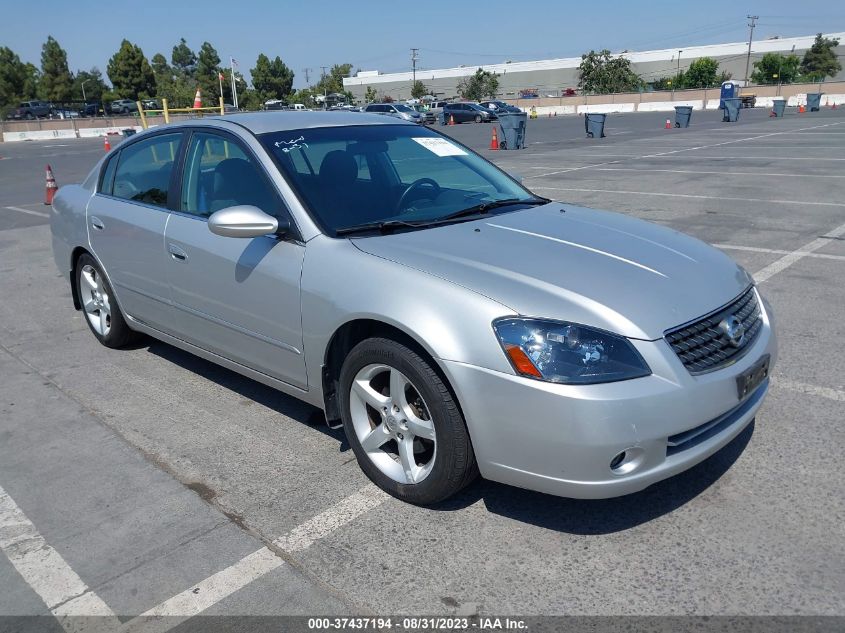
point(478, 118)
point(403, 423)
point(99, 305)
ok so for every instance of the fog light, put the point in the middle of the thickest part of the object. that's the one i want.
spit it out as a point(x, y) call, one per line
point(614, 463)
point(627, 461)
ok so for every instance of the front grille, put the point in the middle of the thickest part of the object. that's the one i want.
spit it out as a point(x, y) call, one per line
point(702, 346)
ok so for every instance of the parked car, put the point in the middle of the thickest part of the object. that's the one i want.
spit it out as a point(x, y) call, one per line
point(275, 104)
point(398, 110)
point(427, 115)
point(91, 109)
point(449, 319)
point(464, 112)
point(436, 107)
point(499, 106)
point(32, 110)
point(63, 113)
point(151, 104)
point(123, 106)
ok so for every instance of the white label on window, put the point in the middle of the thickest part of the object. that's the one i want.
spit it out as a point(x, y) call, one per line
point(440, 146)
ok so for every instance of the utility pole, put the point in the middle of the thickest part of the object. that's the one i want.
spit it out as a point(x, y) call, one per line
point(307, 72)
point(414, 58)
point(325, 90)
point(751, 26)
point(677, 75)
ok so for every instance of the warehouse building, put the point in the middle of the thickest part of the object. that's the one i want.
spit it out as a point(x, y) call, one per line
point(552, 77)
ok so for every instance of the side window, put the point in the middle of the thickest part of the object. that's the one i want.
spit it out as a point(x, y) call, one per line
point(219, 174)
point(107, 175)
point(144, 168)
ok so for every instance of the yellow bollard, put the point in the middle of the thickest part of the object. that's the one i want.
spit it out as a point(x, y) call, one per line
point(142, 114)
point(222, 107)
point(166, 111)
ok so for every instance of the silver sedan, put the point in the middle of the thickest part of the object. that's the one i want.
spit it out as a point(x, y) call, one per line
point(449, 319)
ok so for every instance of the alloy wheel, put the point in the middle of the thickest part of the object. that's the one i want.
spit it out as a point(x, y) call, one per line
point(95, 300)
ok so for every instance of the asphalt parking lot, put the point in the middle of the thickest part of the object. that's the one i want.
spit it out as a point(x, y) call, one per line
point(152, 482)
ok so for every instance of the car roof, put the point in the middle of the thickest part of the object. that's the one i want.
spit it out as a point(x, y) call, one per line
point(279, 121)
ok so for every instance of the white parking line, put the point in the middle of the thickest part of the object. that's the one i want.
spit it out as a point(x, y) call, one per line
point(687, 195)
point(738, 140)
point(224, 583)
point(40, 214)
point(813, 390)
point(787, 260)
point(43, 568)
point(777, 251)
point(720, 173)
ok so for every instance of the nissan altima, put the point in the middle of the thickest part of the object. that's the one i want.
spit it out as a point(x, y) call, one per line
point(450, 320)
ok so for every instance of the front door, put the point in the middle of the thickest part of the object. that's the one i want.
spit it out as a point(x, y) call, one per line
point(126, 220)
point(235, 297)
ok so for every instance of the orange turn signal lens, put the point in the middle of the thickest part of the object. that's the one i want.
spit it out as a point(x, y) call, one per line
point(521, 362)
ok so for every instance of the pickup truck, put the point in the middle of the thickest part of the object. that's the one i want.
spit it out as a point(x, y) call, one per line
point(32, 110)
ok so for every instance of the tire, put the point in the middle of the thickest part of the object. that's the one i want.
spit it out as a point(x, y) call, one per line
point(434, 435)
point(29, 116)
point(125, 110)
point(102, 313)
point(478, 118)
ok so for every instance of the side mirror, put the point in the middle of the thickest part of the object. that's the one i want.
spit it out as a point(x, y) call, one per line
point(243, 221)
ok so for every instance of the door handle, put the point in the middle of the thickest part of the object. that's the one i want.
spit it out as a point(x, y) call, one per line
point(97, 223)
point(177, 253)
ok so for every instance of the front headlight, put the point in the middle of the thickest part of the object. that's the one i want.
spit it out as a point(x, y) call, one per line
point(567, 353)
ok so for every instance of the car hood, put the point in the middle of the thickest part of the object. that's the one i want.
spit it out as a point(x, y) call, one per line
point(571, 263)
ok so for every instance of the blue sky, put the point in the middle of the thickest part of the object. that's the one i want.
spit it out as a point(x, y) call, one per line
point(378, 35)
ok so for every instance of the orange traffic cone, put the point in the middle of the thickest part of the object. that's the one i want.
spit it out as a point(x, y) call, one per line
point(106, 144)
point(668, 125)
point(801, 108)
point(494, 142)
point(198, 100)
point(51, 187)
point(451, 119)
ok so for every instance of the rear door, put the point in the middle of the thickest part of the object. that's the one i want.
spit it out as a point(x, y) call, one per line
point(236, 297)
point(126, 220)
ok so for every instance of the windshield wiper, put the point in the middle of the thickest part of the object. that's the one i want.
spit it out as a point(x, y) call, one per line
point(382, 226)
point(484, 207)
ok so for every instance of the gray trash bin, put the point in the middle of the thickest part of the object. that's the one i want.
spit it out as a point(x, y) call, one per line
point(594, 124)
point(682, 116)
point(778, 106)
point(732, 107)
point(512, 125)
point(814, 100)
point(441, 118)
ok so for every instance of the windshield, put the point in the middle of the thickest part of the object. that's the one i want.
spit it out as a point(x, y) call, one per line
point(402, 108)
point(354, 175)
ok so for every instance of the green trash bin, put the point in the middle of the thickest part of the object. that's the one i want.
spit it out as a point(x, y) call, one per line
point(814, 100)
point(778, 106)
point(732, 107)
point(682, 116)
point(594, 124)
point(512, 125)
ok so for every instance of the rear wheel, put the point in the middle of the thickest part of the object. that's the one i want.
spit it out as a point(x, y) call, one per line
point(102, 313)
point(403, 423)
point(478, 118)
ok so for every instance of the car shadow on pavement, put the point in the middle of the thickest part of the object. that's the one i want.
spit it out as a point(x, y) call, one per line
point(602, 516)
point(250, 389)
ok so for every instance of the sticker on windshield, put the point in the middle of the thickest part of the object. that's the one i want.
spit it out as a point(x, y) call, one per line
point(294, 143)
point(440, 146)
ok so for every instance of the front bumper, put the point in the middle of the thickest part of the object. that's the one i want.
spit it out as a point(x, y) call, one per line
point(561, 439)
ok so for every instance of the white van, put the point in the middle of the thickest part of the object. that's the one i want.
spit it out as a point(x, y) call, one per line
point(298, 106)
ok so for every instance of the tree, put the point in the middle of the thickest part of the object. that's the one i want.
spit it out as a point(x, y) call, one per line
point(18, 80)
point(207, 73)
point(56, 81)
point(271, 79)
point(775, 68)
point(333, 81)
point(90, 83)
point(130, 72)
point(419, 90)
point(601, 73)
point(478, 86)
point(370, 95)
point(183, 58)
point(820, 60)
point(702, 73)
